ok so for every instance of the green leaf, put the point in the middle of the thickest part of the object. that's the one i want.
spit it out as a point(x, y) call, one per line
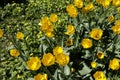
point(30, 78)
point(67, 70)
point(85, 70)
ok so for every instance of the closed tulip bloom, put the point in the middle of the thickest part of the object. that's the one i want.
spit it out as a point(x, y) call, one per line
point(99, 75)
point(78, 3)
point(93, 64)
point(19, 35)
point(105, 3)
point(57, 50)
point(53, 17)
point(86, 43)
point(14, 52)
point(34, 63)
point(114, 64)
point(116, 29)
point(1, 33)
point(48, 59)
point(41, 77)
point(72, 11)
point(116, 2)
point(96, 33)
point(62, 59)
point(88, 8)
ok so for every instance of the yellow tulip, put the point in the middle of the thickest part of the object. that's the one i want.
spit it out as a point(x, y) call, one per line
point(93, 64)
point(100, 55)
point(78, 3)
point(41, 77)
point(88, 8)
point(99, 75)
point(53, 17)
point(70, 30)
point(62, 59)
point(114, 64)
point(72, 11)
point(116, 29)
point(48, 59)
point(96, 33)
point(86, 43)
point(34, 63)
point(57, 50)
point(69, 42)
point(105, 3)
point(116, 2)
point(14, 52)
point(19, 35)
point(46, 25)
point(49, 34)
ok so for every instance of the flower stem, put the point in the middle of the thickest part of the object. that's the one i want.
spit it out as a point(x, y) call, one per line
point(49, 74)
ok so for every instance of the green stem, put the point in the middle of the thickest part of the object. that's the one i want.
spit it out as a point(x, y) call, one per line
point(16, 46)
point(62, 41)
point(50, 44)
point(49, 74)
point(114, 42)
point(76, 42)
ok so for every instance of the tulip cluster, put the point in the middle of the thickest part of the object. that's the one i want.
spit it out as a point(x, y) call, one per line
point(47, 26)
point(79, 40)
